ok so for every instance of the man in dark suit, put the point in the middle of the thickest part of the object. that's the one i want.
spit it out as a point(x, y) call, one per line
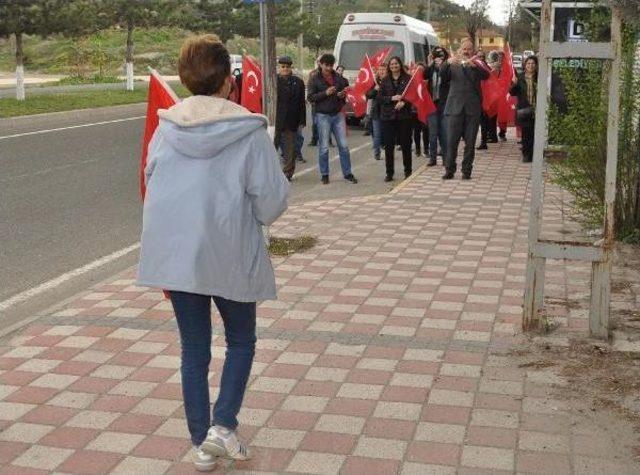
point(291, 113)
point(463, 109)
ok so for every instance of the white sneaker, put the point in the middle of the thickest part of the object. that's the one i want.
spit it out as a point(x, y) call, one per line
point(223, 442)
point(203, 461)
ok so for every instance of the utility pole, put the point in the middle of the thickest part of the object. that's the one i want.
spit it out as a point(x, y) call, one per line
point(301, 41)
point(268, 47)
point(428, 10)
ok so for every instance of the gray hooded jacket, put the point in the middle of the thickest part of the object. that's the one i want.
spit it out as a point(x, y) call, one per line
point(213, 179)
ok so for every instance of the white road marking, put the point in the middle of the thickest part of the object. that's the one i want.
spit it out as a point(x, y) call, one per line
point(70, 127)
point(336, 157)
point(53, 283)
point(47, 170)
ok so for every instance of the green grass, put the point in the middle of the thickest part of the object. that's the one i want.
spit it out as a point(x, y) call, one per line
point(103, 53)
point(287, 246)
point(43, 103)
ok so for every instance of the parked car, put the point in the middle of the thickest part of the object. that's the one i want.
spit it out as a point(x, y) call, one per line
point(516, 59)
point(236, 62)
point(526, 53)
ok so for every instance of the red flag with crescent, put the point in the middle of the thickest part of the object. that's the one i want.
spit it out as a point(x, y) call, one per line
point(160, 96)
point(365, 79)
point(357, 101)
point(251, 95)
point(418, 95)
point(378, 58)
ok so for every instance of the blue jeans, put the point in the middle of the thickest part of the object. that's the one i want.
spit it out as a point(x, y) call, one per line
point(377, 136)
point(437, 132)
point(299, 143)
point(193, 313)
point(336, 124)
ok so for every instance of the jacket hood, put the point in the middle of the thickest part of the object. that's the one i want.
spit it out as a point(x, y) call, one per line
point(203, 126)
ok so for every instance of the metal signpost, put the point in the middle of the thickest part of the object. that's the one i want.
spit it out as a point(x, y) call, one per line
point(600, 255)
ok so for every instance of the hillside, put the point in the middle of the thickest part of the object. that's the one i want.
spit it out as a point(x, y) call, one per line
point(102, 53)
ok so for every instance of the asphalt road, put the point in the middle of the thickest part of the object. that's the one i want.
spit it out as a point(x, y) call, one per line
point(69, 196)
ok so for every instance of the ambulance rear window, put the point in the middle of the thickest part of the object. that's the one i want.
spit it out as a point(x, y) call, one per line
point(352, 52)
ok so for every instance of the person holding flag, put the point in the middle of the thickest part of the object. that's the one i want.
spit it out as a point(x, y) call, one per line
point(213, 179)
point(376, 126)
point(396, 118)
point(464, 107)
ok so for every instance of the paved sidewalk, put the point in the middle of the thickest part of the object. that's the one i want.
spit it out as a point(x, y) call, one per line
point(389, 351)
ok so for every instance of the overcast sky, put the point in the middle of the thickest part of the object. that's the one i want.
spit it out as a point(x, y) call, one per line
point(497, 10)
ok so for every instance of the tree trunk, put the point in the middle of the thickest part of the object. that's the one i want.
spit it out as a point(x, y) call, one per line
point(270, 63)
point(129, 56)
point(20, 94)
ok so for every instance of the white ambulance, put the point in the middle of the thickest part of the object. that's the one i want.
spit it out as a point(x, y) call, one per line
point(367, 33)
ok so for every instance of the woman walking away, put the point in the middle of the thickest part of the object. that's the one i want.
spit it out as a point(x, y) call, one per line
point(525, 87)
point(213, 179)
point(396, 117)
point(374, 96)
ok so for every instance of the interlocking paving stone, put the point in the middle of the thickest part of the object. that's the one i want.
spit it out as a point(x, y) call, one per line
point(387, 352)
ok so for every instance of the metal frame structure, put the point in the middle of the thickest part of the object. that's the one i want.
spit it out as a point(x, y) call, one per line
point(540, 250)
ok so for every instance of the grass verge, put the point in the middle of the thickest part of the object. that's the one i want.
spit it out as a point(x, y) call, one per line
point(43, 103)
point(287, 246)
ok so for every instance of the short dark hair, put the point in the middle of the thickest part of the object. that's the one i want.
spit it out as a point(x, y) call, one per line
point(204, 64)
point(328, 59)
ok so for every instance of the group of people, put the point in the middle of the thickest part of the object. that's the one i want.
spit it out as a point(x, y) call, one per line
point(454, 83)
point(213, 180)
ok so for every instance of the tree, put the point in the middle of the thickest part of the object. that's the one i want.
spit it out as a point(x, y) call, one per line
point(129, 14)
point(18, 19)
point(476, 16)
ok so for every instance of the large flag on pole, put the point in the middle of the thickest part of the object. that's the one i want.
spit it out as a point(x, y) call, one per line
point(160, 96)
point(356, 94)
point(379, 57)
point(418, 95)
point(251, 94)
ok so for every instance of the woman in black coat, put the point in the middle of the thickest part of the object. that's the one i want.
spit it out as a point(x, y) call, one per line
point(525, 87)
point(396, 117)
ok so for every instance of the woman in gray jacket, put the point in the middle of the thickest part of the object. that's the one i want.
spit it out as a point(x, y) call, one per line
point(213, 179)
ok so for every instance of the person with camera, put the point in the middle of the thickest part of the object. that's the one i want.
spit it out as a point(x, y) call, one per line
point(439, 91)
point(463, 109)
point(396, 117)
point(525, 87)
point(327, 93)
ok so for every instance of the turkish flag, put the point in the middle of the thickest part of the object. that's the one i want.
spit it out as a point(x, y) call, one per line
point(365, 79)
point(492, 93)
point(160, 96)
point(357, 101)
point(378, 58)
point(251, 95)
point(418, 95)
point(507, 72)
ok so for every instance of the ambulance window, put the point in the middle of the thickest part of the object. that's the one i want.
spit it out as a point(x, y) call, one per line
point(418, 53)
point(352, 52)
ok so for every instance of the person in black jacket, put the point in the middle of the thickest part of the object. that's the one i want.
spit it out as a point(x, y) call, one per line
point(463, 109)
point(327, 93)
point(291, 113)
point(374, 96)
point(396, 117)
point(439, 91)
point(526, 88)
